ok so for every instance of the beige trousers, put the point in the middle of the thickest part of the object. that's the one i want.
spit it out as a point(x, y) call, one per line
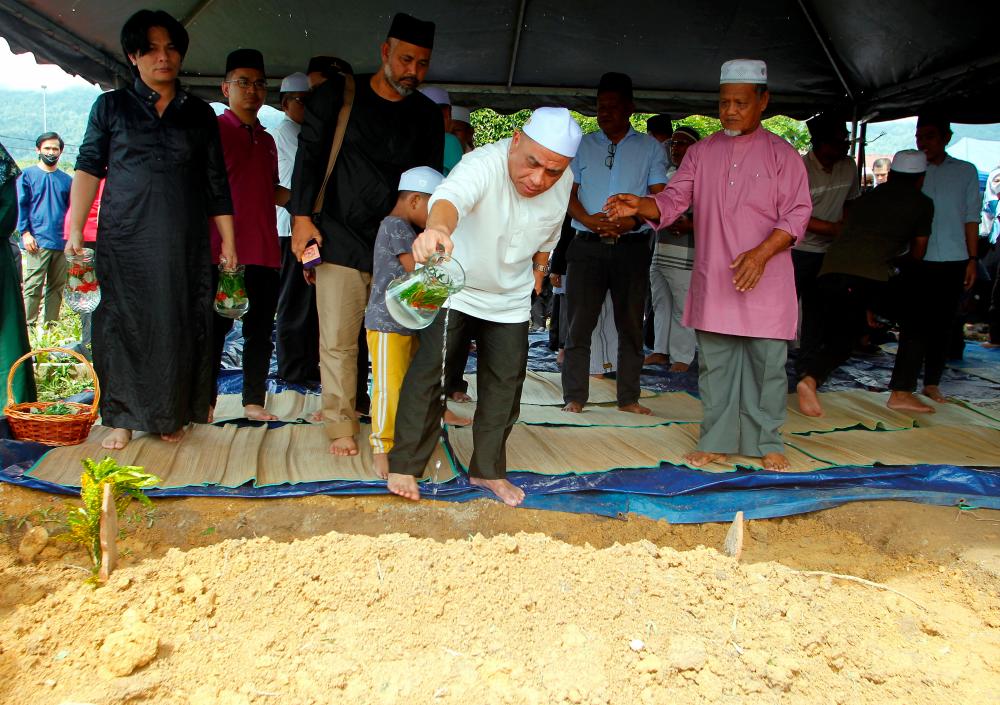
point(341, 297)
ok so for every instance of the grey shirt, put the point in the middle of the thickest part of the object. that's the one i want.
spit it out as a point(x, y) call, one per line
point(395, 237)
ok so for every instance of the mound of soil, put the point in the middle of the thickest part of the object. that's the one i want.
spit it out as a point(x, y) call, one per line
point(520, 619)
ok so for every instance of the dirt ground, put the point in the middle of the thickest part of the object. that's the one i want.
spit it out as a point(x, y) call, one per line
point(377, 600)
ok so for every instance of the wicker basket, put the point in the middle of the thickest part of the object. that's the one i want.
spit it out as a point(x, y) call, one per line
point(62, 430)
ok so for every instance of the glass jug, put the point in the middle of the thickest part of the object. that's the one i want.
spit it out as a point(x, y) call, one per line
point(231, 295)
point(415, 298)
point(83, 293)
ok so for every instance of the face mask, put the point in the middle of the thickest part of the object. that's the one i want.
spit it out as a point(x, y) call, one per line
point(50, 159)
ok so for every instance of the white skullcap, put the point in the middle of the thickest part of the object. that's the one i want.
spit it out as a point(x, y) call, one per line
point(744, 71)
point(421, 179)
point(438, 95)
point(555, 129)
point(295, 83)
point(909, 161)
point(461, 114)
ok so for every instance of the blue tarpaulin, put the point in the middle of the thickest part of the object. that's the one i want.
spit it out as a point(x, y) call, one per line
point(677, 494)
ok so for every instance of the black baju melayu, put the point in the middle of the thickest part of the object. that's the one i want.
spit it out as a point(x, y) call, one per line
point(165, 178)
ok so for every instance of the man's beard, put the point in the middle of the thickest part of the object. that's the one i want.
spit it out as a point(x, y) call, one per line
point(732, 133)
point(403, 90)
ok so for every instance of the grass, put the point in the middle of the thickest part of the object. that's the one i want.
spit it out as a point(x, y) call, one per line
point(59, 380)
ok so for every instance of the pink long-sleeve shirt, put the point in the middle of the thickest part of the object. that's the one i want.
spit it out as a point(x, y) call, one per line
point(742, 189)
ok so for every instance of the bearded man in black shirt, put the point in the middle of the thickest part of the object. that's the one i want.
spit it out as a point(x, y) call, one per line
point(390, 128)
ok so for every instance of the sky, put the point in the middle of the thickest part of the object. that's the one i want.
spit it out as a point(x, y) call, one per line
point(21, 72)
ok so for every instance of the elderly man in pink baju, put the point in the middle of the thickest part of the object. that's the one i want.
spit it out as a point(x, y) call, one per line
point(751, 202)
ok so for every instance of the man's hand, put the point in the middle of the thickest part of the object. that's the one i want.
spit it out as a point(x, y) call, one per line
point(74, 244)
point(304, 230)
point(227, 257)
point(748, 268)
point(429, 242)
point(970, 274)
point(30, 244)
point(556, 280)
point(309, 275)
point(622, 205)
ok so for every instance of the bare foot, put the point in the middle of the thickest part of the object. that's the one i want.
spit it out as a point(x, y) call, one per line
point(574, 407)
point(380, 462)
point(934, 392)
point(211, 415)
point(560, 356)
point(656, 359)
point(403, 485)
point(680, 367)
point(453, 419)
point(907, 401)
point(344, 446)
point(511, 495)
point(460, 397)
point(174, 437)
point(775, 462)
point(256, 412)
point(701, 458)
point(808, 399)
point(117, 439)
point(636, 408)
point(316, 417)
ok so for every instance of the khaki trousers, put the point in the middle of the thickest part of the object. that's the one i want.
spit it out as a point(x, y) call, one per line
point(44, 280)
point(341, 297)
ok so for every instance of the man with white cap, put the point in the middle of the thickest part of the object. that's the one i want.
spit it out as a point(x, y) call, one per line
point(390, 128)
point(880, 226)
point(452, 147)
point(499, 214)
point(461, 127)
point(751, 204)
point(297, 335)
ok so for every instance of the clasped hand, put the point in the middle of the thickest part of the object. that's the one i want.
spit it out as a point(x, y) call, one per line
point(429, 242)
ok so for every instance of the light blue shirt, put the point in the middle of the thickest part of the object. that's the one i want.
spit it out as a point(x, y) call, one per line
point(639, 163)
point(953, 185)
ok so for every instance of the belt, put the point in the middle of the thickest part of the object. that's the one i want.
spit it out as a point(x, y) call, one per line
point(636, 236)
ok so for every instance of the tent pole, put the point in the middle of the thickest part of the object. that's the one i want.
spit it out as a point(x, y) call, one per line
point(826, 48)
point(191, 16)
point(862, 166)
point(517, 44)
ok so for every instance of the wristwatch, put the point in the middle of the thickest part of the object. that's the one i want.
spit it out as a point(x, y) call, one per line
point(543, 268)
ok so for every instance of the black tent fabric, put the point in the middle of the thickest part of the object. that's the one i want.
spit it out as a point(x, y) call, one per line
point(873, 59)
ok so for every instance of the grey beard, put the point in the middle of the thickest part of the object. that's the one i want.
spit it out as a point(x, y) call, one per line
point(732, 133)
point(398, 87)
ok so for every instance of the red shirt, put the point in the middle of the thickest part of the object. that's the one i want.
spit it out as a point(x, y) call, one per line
point(90, 227)
point(252, 165)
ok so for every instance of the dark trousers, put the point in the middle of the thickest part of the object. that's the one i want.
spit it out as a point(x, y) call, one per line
point(595, 269)
point(994, 311)
point(842, 300)
point(807, 266)
point(502, 351)
point(262, 285)
point(935, 289)
point(298, 324)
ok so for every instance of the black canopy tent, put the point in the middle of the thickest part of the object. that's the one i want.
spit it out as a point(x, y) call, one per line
point(874, 59)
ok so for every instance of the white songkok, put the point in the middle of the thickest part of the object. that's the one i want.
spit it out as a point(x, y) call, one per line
point(909, 161)
point(555, 129)
point(295, 83)
point(744, 71)
point(421, 179)
point(461, 114)
point(438, 95)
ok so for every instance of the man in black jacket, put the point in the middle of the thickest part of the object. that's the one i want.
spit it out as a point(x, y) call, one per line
point(391, 128)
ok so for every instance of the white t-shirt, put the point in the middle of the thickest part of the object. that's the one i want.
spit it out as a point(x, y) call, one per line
point(286, 138)
point(498, 233)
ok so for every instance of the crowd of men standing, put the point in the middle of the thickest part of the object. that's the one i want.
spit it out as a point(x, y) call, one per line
point(714, 234)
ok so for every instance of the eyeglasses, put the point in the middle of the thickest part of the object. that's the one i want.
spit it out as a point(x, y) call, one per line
point(610, 160)
point(245, 84)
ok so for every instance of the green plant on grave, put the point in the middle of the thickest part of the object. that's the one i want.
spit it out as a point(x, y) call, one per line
point(127, 483)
